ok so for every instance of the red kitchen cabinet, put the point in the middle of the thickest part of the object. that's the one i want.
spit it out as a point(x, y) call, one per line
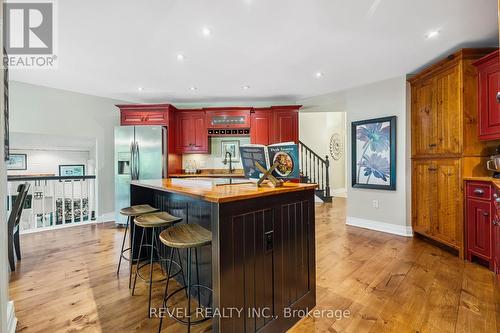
point(286, 124)
point(480, 216)
point(192, 132)
point(488, 105)
point(261, 130)
point(479, 221)
point(146, 114)
point(496, 246)
point(236, 117)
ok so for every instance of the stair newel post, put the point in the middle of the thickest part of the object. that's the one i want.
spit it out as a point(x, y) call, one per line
point(302, 157)
point(327, 167)
point(322, 175)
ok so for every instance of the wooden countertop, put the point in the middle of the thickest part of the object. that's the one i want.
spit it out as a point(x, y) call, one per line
point(208, 190)
point(209, 175)
point(494, 181)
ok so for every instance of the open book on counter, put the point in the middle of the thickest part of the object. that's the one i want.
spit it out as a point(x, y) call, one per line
point(285, 153)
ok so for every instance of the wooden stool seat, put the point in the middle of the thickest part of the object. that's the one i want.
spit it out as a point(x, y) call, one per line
point(137, 210)
point(184, 236)
point(158, 219)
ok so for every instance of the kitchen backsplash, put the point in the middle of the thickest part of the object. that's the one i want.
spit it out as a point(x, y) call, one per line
point(215, 158)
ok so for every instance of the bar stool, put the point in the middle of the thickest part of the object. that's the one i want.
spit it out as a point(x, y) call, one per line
point(186, 236)
point(131, 212)
point(153, 221)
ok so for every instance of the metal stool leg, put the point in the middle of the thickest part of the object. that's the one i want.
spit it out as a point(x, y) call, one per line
point(189, 289)
point(169, 270)
point(151, 271)
point(197, 274)
point(123, 245)
point(138, 261)
point(132, 232)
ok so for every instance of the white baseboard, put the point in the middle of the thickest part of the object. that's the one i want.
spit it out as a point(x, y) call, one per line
point(339, 192)
point(380, 226)
point(11, 318)
point(107, 217)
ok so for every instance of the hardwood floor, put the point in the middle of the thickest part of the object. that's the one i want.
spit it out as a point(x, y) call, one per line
point(66, 282)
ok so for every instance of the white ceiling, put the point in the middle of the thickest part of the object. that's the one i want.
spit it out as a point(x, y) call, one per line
point(112, 47)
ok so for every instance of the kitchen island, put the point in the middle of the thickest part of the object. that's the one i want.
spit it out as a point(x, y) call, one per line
point(261, 264)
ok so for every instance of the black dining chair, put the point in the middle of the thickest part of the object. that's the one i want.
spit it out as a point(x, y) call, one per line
point(13, 224)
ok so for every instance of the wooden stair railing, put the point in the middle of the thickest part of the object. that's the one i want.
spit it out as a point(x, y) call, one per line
point(315, 169)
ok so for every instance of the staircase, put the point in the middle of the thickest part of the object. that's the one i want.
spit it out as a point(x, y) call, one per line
point(315, 169)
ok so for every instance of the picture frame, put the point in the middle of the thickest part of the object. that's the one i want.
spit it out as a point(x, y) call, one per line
point(233, 146)
point(17, 162)
point(71, 170)
point(373, 164)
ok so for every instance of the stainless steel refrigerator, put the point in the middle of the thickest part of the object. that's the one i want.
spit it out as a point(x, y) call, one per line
point(140, 153)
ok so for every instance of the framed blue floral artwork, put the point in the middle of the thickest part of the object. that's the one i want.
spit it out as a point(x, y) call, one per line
point(374, 153)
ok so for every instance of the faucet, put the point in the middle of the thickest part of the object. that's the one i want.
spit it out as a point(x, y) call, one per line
point(230, 161)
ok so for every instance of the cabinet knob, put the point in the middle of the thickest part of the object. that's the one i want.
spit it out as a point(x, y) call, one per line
point(497, 200)
point(498, 97)
point(432, 145)
point(486, 213)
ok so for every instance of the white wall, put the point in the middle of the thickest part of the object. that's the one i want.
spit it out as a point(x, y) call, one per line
point(48, 161)
point(43, 110)
point(214, 159)
point(315, 130)
point(384, 98)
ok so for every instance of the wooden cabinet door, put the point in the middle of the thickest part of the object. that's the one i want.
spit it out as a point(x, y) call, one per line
point(496, 246)
point(261, 127)
point(286, 126)
point(192, 132)
point(424, 119)
point(479, 221)
point(489, 108)
point(448, 226)
point(424, 196)
point(200, 143)
point(131, 118)
point(448, 110)
point(156, 118)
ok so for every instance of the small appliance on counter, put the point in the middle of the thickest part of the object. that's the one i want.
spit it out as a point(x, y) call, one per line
point(493, 164)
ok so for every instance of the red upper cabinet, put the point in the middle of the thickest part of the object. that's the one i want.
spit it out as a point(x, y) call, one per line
point(192, 134)
point(261, 130)
point(146, 114)
point(228, 117)
point(488, 104)
point(286, 123)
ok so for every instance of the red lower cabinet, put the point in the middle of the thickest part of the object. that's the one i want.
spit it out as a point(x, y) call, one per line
point(482, 240)
point(479, 221)
point(496, 247)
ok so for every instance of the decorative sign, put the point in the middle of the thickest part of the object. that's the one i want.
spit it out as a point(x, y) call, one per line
point(336, 146)
point(374, 153)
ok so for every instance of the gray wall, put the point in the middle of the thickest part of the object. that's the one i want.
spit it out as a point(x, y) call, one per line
point(384, 98)
point(43, 110)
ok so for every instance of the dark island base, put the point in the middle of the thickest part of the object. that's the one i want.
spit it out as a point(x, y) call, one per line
point(261, 264)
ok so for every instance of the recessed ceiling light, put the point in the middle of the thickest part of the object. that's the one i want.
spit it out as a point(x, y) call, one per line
point(432, 34)
point(319, 74)
point(192, 88)
point(140, 88)
point(206, 31)
point(180, 57)
point(245, 87)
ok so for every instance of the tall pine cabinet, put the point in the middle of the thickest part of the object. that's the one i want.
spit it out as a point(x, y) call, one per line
point(444, 145)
